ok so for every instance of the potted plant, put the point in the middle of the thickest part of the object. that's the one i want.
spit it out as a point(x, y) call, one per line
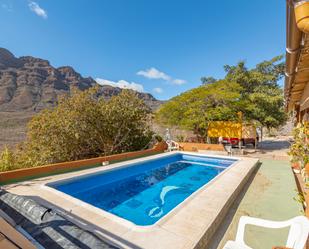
point(295, 154)
point(296, 166)
point(299, 150)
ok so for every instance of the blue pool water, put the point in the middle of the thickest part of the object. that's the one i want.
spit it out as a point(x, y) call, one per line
point(145, 192)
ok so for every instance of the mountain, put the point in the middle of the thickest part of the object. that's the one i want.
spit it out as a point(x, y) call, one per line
point(32, 84)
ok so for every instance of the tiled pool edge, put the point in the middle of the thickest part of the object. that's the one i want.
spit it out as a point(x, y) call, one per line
point(169, 234)
point(207, 236)
point(222, 194)
point(193, 178)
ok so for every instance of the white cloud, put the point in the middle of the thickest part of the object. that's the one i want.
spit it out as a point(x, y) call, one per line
point(34, 7)
point(121, 84)
point(179, 82)
point(158, 90)
point(153, 73)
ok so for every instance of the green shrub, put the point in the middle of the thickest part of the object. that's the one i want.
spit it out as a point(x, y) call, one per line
point(180, 138)
point(299, 149)
point(158, 138)
point(7, 160)
point(84, 126)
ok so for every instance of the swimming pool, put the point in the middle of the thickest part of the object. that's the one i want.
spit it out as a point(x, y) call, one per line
point(144, 192)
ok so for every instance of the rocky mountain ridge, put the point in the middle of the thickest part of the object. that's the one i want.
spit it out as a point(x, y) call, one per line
point(32, 84)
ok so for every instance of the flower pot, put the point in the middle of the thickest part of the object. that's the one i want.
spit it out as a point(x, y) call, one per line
point(296, 171)
point(105, 163)
point(296, 167)
point(301, 15)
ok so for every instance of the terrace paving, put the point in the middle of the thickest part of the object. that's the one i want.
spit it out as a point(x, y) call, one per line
point(269, 195)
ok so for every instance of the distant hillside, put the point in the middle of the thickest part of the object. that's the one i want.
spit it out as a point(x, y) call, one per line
point(32, 84)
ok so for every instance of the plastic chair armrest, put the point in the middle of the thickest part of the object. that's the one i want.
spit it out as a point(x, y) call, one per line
point(245, 220)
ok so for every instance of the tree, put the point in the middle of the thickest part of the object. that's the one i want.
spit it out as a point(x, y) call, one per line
point(208, 80)
point(266, 106)
point(83, 126)
point(267, 73)
point(255, 92)
point(265, 103)
point(195, 108)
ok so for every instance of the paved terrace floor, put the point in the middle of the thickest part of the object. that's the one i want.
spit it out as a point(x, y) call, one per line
point(271, 148)
point(269, 195)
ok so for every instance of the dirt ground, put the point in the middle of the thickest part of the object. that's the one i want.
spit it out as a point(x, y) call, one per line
point(271, 148)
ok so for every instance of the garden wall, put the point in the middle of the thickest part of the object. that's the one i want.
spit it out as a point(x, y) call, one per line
point(23, 174)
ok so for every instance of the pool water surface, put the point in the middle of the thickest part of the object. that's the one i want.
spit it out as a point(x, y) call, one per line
point(145, 192)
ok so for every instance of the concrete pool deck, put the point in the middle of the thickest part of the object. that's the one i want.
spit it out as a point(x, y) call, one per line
point(190, 225)
point(269, 195)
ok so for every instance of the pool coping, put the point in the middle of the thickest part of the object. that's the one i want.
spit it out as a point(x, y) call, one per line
point(189, 225)
point(127, 164)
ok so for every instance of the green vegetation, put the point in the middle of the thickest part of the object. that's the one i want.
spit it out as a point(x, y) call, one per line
point(299, 150)
point(195, 108)
point(254, 92)
point(299, 157)
point(7, 160)
point(263, 97)
point(82, 126)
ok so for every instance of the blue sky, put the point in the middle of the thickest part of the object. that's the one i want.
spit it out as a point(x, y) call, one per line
point(159, 46)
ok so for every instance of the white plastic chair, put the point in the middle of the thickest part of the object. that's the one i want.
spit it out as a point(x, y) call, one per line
point(172, 145)
point(297, 237)
point(228, 148)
